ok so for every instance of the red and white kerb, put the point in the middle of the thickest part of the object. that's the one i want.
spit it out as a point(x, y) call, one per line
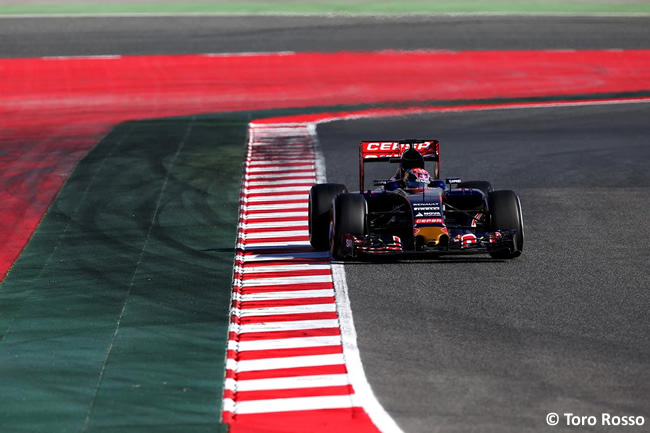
point(286, 369)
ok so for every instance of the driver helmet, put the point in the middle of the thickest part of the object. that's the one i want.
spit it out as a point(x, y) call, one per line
point(416, 179)
point(411, 158)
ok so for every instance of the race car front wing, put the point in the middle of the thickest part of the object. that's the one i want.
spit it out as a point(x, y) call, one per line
point(461, 243)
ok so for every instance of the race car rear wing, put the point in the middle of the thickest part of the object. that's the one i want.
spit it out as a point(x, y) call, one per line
point(391, 151)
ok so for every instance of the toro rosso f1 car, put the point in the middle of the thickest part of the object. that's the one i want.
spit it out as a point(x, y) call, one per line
point(414, 211)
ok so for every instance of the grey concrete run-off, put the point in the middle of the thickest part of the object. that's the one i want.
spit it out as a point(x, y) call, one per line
point(34, 37)
point(459, 345)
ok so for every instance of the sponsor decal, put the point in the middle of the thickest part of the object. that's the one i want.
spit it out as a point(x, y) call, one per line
point(393, 149)
point(389, 146)
point(426, 206)
point(428, 221)
point(427, 210)
point(468, 239)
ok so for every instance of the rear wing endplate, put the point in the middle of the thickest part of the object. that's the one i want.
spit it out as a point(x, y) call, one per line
point(391, 151)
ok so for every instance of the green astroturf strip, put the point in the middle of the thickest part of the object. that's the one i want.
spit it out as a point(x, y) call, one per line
point(115, 316)
point(356, 7)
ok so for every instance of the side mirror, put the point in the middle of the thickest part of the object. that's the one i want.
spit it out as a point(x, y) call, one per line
point(453, 180)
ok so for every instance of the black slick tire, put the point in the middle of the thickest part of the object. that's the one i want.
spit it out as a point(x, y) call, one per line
point(320, 204)
point(349, 215)
point(505, 214)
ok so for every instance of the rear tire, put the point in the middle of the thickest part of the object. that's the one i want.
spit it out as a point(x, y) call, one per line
point(483, 185)
point(320, 204)
point(349, 214)
point(505, 214)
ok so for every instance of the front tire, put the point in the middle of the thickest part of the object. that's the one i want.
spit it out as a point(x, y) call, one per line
point(349, 215)
point(320, 204)
point(505, 214)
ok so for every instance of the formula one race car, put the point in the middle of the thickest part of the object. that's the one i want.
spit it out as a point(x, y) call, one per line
point(414, 211)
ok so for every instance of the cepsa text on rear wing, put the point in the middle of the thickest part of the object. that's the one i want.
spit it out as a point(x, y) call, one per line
point(391, 151)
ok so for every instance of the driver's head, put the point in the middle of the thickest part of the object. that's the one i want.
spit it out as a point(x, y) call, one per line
point(411, 159)
point(416, 179)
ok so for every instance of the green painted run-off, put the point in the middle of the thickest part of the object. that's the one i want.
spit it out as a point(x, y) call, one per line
point(114, 318)
point(339, 7)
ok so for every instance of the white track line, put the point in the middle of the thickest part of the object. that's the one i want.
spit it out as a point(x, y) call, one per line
point(479, 107)
point(363, 391)
point(363, 396)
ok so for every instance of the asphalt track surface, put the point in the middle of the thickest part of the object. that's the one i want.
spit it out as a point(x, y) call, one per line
point(461, 345)
point(36, 37)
